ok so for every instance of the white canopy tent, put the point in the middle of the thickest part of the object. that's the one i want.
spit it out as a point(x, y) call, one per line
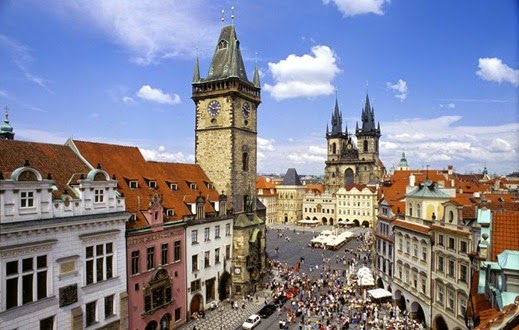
point(379, 293)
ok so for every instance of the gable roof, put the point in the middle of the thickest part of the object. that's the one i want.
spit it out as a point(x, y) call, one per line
point(128, 164)
point(58, 161)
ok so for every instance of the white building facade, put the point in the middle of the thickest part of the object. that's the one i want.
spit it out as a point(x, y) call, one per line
point(62, 260)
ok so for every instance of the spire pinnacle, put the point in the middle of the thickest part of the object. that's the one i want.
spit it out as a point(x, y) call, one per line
point(256, 79)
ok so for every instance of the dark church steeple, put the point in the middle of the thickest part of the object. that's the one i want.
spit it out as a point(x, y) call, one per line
point(336, 120)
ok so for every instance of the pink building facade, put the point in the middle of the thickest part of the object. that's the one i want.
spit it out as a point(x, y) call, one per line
point(156, 272)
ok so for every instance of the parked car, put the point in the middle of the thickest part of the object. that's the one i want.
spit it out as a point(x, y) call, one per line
point(251, 322)
point(267, 310)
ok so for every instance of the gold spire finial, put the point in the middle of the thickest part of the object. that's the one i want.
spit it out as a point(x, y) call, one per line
point(223, 19)
point(232, 15)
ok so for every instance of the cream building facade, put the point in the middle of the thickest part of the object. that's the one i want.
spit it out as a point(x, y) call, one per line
point(357, 204)
point(452, 268)
point(320, 207)
point(413, 249)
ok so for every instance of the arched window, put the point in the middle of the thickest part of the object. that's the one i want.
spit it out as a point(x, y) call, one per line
point(418, 210)
point(410, 209)
point(451, 216)
point(334, 148)
point(245, 161)
point(365, 146)
point(349, 177)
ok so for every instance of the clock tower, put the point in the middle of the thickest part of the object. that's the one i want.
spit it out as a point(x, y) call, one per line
point(226, 107)
point(226, 122)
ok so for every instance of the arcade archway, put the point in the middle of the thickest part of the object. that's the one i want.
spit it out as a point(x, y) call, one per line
point(224, 286)
point(365, 223)
point(197, 304)
point(417, 312)
point(439, 323)
point(380, 284)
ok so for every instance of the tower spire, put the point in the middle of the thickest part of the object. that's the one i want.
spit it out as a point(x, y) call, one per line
point(6, 131)
point(256, 79)
point(196, 73)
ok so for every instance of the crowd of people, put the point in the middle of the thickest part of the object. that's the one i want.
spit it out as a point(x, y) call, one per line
point(329, 297)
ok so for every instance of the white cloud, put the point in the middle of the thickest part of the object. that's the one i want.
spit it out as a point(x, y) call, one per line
point(149, 29)
point(148, 93)
point(162, 155)
point(128, 100)
point(443, 141)
point(265, 144)
point(358, 7)
point(94, 115)
point(399, 88)
point(309, 75)
point(448, 105)
point(493, 69)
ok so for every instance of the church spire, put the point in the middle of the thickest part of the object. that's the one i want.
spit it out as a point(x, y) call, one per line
point(256, 79)
point(227, 59)
point(368, 116)
point(336, 119)
point(196, 73)
point(6, 131)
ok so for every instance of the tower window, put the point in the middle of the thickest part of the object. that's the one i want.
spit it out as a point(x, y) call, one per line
point(245, 161)
point(365, 146)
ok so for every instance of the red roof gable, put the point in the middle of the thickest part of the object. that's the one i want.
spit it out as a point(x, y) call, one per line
point(128, 164)
point(505, 232)
point(58, 161)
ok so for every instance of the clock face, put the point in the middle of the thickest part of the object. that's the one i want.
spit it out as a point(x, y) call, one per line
point(237, 270)
point(349, 146)
point(214, 108)
point(246, 109)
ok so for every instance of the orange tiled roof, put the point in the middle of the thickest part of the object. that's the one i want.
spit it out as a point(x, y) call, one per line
point(57, 160)
point(360, 187)
point(315, 188)
point(127, 163)
point(505, 232)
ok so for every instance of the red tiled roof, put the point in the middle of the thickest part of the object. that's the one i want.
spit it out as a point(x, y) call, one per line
point(505, 232)
point(127, 163)
point(57, 160)
point(359, 187)
point(316, 188)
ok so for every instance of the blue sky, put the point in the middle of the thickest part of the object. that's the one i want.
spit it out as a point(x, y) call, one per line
point(442, 75)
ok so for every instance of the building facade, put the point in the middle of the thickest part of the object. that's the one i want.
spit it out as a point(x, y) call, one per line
point(321, 207)
point(62, 241)
point(291, 193)
point(357, 204)
point(267, 195)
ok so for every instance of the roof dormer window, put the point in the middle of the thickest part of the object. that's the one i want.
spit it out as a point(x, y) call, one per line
point(210, 185)
point(133, 184)
point(152, 184)
point(173, 186)
point(192, 186)
point(170, 213)
point(222, 44)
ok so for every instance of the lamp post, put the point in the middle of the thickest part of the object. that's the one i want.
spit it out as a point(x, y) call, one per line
point(221, 317)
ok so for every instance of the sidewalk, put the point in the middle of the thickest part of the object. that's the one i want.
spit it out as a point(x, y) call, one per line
point(225, 317)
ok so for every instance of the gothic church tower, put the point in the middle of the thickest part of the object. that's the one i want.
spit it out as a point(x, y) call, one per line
point(348, 161)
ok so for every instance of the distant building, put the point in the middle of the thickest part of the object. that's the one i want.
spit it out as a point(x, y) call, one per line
point(267, 194)
point(357, 204)
point(62, 241)
point(290, 193)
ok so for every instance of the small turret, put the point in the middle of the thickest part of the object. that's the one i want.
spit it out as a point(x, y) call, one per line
point(6, 130)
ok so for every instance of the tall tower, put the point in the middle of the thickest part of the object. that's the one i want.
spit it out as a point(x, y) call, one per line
point(369, 135)
point(226, 149)
point(226, 122)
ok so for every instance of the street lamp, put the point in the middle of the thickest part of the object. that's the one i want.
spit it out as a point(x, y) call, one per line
point(221, 317)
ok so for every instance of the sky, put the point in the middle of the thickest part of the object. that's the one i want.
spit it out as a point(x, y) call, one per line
point(442, 75)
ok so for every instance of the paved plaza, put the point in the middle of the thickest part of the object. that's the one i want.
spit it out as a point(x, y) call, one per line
point(293, 248)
